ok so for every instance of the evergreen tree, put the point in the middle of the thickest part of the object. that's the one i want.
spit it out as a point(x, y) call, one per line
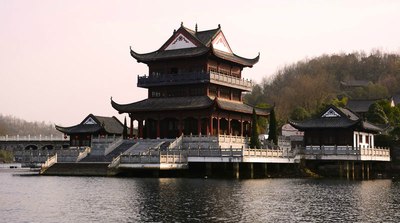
point(299, 114)
point(376, 114)
point(125, 131)
point(254, 141)
point(272, 135)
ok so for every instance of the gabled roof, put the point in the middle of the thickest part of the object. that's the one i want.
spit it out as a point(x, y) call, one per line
point(359, 106)
point(193, 44)
point(94, 124)
point(334, 118)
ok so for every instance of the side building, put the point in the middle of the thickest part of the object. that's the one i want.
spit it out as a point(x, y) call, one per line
point(92, 126)
point(195, 86)
point(337, 128)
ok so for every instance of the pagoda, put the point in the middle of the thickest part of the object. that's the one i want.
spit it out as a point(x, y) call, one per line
point(195, 86)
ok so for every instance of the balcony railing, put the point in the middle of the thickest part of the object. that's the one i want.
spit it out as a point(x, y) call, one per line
point(191, 78)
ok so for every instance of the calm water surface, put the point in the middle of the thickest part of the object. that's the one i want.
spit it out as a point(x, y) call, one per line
point(104, 199)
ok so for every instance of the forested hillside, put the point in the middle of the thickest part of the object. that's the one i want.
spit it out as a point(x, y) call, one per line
point(10, 125)
point(307, 85)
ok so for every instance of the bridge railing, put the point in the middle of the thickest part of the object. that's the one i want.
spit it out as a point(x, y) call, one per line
point(49, 162)
point(177, 143)
point(155, 157)
point(344, 150)
point(34, 138)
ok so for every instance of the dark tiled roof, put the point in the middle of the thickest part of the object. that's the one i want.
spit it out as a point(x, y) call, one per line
point(111, 125)
point(164, 104)
point(169, 54)
point(240, 107)
point(351, 115)
point(235, 58)
point(185, 103)
point(359, 106)
point(346, 119)
point(204, 38)
point(79, 129)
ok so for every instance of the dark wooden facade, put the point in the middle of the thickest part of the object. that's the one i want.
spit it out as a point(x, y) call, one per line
point(194, 86)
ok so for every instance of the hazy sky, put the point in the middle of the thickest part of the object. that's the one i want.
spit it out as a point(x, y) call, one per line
point(61, 60)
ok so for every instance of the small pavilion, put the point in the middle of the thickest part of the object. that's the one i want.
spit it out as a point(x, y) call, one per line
point(92, 126)
point(338, 127)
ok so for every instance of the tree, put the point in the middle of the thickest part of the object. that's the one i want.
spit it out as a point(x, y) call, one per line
point(254, 141)
point(125, 131)
point(299, 114)
point(376, 114)
point(261, 121)
point(273, 135)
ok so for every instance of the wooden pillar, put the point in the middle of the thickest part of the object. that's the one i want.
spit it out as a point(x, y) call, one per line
point(131, 129)
point(229, 125)
point(218, 125)
point(347, 170)
point(265, 169)
point(362, 170)
point(158, 128)
point(199, 126)
point(241, 126)
point(148, 128)
point(352, 170)
point(140, 128)
point(211, 125)
point(251, 170)
point(236, 170)
point(180, 126)
point(367, 171)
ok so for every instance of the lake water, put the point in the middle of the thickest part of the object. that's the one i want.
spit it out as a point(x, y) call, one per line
point(106, 199)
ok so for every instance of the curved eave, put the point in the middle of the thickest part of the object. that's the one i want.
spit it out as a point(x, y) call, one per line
point(65, 130)
point(164, 104)
point(302, 126)
point(240, 107)
point(121, 108)
point(78, 129)
point(169, 54)
point(371, 127)
point(246, 62)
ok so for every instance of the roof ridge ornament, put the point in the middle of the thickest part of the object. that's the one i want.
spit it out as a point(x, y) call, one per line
point(181, 24)
point(331, 113)
point(195, 27)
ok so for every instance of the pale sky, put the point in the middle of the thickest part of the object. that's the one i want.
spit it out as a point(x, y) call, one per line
point(62, 60)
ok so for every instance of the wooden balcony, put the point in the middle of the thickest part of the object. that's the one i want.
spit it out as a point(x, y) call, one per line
point(153, 80)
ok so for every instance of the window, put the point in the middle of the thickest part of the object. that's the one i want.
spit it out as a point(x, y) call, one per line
point(213, 91)
point(225, 93)
point(155, 94)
